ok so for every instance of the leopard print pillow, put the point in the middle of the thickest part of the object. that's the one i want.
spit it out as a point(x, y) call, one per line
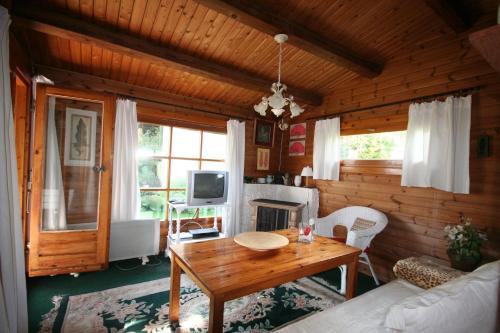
point(424, 272)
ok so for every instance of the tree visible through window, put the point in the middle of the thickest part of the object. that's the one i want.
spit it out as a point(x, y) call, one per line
point(375, 146)
point(165, 155)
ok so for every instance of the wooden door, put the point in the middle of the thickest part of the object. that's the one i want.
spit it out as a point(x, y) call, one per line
point(21, 107)
point(71, 174)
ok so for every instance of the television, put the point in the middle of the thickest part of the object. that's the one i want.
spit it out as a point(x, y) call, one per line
point(206, 187)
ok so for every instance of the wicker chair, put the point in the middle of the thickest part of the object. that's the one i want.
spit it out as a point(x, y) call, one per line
point(357, 238)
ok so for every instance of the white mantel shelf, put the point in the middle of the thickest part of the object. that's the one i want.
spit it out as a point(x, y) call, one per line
point(305, 195)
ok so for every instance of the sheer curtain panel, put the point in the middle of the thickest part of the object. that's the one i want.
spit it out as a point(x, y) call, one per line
point(54, 210)
point(126, 197)
point(235, 164)
point(437, 145)
point(13, 307)
point(326, 150)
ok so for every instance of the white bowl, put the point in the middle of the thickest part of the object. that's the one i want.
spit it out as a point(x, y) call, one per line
point(261, 241)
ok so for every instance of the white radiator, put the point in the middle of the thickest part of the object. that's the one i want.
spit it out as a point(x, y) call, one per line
point(134, 239)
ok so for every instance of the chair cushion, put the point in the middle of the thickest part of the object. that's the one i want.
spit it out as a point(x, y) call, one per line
point(424, 272)
point(466, 304)
point(361, 224)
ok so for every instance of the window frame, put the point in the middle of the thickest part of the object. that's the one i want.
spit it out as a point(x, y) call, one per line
point(169, 158)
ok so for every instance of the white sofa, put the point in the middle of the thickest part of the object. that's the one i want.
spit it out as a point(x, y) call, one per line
point(466, 304)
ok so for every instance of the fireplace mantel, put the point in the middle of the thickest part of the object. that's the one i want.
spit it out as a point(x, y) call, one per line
point(307, 196)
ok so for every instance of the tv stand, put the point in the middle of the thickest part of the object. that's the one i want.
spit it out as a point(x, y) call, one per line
point(183, 237)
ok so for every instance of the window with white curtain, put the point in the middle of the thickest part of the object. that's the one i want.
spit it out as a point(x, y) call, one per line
point(165, 154)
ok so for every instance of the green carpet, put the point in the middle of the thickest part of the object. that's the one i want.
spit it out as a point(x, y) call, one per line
point(41, 292)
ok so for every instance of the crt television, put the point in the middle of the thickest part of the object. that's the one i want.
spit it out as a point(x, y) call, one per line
point(207, 187)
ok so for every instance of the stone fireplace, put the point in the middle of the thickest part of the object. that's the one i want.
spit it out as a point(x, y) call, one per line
point(269, 215)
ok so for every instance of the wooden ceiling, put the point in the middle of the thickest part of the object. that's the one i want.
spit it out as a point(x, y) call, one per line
point(374, 31)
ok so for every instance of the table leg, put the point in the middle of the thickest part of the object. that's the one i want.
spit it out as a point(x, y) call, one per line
point(352, 277)
point(216, 316)
point(175, 289)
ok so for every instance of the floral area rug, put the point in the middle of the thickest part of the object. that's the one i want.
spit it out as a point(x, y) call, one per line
point(143, 307)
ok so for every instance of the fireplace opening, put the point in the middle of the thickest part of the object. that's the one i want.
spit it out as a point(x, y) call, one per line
point(269, 219)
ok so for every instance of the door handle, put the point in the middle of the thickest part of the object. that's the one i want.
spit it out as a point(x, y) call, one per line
point(100, 168)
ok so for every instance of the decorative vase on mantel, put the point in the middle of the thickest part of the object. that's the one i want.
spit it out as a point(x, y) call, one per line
point(466, 264)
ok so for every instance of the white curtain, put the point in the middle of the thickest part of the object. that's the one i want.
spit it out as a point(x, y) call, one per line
point(126, 196)
point(13, 307)
point(437, 145)
point(326, 151)
point(235, 163)
point(54, 209)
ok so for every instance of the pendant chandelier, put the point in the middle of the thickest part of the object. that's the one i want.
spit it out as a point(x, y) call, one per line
point(277, 101)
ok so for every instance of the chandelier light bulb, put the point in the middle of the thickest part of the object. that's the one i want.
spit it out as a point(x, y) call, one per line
point(295, 109)
point(261, 107)
point(277, 112)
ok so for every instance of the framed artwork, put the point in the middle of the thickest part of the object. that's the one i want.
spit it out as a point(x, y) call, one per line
point(264, 132)
point(80, 137)
point(298, 131)
point(263, 155)
point(297, 148)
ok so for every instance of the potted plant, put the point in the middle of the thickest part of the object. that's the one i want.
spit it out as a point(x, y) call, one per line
point(464, 244)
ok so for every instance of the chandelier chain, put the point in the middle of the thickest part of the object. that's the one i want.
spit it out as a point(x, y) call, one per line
point(279, 66)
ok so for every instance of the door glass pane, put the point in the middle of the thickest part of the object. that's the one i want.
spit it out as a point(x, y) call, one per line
point(214, 146)
point(212, 166)
point(153, 173)
point(72, 160)
point(153, 205)
point(186, 142)
point(178, 173)
point(154, 140)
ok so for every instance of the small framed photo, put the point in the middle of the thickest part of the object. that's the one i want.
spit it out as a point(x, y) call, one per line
point(80, 137)
point(264, 133)
point(263, 155)
point(297, 148)
point(298, 131)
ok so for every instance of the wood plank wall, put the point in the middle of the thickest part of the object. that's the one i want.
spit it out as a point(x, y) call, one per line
point(417, 215)
point(251, 152)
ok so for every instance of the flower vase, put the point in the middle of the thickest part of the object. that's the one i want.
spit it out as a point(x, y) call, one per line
point(306, 231)
point(466, 264)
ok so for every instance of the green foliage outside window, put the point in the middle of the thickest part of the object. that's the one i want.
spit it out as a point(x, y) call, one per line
point(376, 146)
point(150, 136)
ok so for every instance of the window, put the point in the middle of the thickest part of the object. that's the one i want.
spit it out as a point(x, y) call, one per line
point(375, 146)
point(166, 153)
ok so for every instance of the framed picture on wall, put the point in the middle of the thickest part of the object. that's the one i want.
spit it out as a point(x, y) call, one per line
point(264, 133)
point(297, 148)
point(80, 137)
point(298, 131)
point(263, 155)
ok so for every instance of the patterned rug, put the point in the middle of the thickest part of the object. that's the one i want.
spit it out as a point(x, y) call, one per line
point(143, 307)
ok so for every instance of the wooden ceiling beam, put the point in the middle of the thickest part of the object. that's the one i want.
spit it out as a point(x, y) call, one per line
point(260, 18)
point(67, 27)
point(452, 14)
point(153, 97)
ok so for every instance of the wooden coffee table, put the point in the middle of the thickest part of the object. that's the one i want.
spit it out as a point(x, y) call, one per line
point(225, 270)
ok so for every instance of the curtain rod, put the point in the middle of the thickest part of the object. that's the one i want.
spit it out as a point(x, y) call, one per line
point(212, 113)
point(422, 99)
